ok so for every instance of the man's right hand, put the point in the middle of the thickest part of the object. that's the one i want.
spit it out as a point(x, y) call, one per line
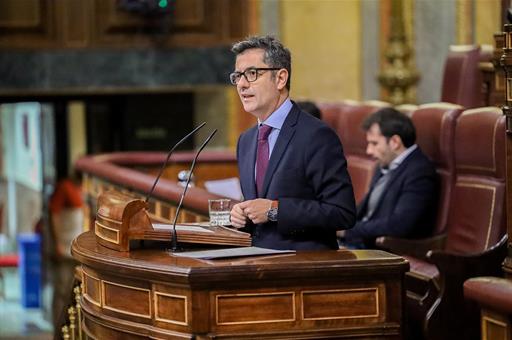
point(238, 218)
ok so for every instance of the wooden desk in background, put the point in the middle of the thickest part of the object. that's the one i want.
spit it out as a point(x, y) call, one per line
point(307, 295)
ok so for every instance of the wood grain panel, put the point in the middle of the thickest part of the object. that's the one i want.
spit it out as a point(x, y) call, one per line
point(494, 326)
point(191, 22)
point(22, 15)
point(239, 309)
point(75, 25)
point(189, 13)
point(92, 290)
point(171, 308)
point(340, 304)
point(260, 296)
point(27, 23)
point(126, 299)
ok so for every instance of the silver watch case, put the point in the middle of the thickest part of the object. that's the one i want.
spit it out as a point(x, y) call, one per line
point(272, 215)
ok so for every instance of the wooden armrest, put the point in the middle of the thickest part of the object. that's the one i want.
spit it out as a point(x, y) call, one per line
point(465, 266)
point(417, 247)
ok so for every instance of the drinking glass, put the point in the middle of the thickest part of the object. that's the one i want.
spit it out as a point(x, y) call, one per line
point(220, 211)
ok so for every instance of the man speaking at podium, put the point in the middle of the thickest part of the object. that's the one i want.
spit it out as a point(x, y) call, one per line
point(293, 172)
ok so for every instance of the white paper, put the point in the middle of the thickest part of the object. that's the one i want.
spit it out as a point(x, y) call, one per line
point(181, 227)
point(229, 187)
point(232, 252)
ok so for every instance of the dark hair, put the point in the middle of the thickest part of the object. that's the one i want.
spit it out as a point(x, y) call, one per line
point(276, 55)
point(392, 122)
point(310, 107)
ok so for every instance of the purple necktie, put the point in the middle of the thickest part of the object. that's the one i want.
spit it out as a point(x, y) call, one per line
point(262, 157)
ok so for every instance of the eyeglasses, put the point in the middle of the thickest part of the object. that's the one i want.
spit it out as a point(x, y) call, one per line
point(251, 74)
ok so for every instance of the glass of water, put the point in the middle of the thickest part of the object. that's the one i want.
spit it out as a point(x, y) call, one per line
point(220, 211)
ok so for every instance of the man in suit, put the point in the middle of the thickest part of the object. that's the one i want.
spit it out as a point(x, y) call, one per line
point(402, 198)
point(293, 172)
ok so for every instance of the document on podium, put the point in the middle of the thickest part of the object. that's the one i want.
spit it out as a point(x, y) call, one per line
point(231, 252)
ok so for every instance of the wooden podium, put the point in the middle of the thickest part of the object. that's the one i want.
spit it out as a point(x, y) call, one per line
point(121, 218)
point(150, 293)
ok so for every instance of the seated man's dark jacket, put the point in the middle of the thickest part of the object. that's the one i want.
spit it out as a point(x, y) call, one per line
point(307, 173)
point(407, 207)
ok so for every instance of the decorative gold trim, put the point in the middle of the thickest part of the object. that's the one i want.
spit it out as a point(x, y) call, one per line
point(103, 282)
point(440, 105)
point(86, 293)
point(376, 291)
point(253, 322)
point(487, 187)
point(184, 297)
point(487, 109)
point(106, 238)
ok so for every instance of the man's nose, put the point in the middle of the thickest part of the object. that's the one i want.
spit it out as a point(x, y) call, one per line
point(242, 82)
point(369, 150)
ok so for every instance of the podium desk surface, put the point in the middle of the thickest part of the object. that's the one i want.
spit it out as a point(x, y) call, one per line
point(151, 293)
point(160, 263)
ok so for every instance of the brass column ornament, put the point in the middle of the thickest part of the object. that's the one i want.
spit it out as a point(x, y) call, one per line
point(398, 76)
point(506, 63)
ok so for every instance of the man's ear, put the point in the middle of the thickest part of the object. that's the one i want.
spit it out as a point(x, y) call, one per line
point(282, 78)
point(396, 142)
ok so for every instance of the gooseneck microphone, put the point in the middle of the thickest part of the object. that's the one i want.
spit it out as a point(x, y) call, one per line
point(175, 235)
point(169, 156)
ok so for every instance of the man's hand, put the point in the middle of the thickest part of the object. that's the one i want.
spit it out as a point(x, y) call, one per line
point(254, 210)
point(238, 217)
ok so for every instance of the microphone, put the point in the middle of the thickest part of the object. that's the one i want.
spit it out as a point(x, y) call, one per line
point(175, 238)
point(168, 157)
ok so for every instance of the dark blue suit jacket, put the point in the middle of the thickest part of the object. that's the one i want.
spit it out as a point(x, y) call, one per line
point(307, 173)
point(407, 207)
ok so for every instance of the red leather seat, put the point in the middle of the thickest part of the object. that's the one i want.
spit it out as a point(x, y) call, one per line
point(435, 133)
point(473, 220)
point(493, 293)
point(475, 242)
point(462, 79)
point(360, 166)
point(345, 118)
point(330, 112)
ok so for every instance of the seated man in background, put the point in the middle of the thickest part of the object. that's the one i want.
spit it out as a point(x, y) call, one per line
point(310, 107)
point(402, 198)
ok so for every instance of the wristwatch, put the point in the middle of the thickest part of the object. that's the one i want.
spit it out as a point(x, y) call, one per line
point(272, 215)
point(272, 212)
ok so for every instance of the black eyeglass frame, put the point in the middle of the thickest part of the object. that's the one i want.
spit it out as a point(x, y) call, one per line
point(232, 75)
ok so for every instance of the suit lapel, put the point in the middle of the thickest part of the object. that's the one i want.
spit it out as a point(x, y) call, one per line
point(247, 166)
point(285, 135)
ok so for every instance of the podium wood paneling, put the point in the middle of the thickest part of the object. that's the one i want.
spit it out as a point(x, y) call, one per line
point(311, 295)
point(36, 24)
point(29, 22)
